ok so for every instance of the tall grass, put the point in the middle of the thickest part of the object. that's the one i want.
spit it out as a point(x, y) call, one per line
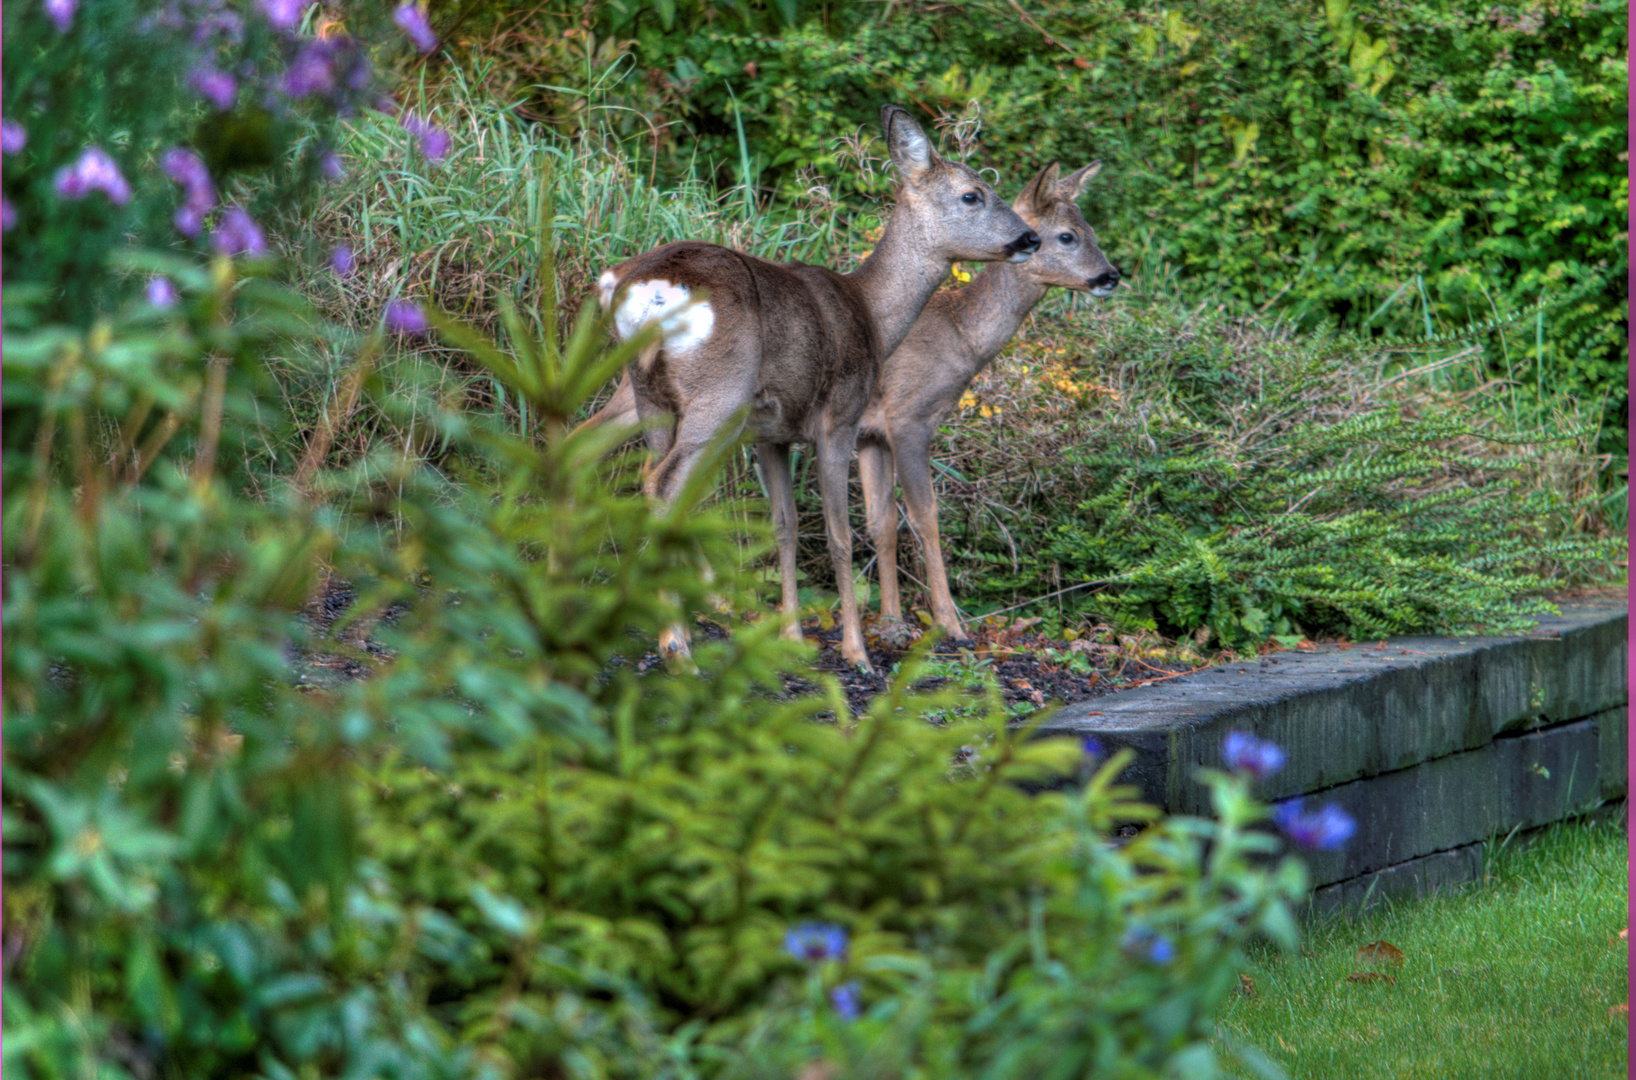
point(1514, 978)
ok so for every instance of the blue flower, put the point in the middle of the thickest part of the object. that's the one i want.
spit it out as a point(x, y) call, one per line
point(1245, 753)
point(412, 19)
point(8, 214)
point(13, 136)
point(330, 165)
point(312, 71)
point(1325, 830)
point(1092, 747)
point(813, 943)
point(845, 1000)
point(341, 260)
point(1146, 944)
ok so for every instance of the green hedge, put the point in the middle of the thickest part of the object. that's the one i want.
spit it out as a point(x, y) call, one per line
point(1413, 170)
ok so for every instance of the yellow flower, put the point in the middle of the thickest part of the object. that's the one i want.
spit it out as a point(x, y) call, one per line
point(961, 275)
point(968, 399)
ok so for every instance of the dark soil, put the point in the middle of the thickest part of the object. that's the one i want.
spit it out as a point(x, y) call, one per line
point(1032, 670)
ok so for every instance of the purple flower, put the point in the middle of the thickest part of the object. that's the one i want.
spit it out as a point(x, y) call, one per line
point(330, 165)
point(238, 234)
point(813, 943)
point(94, 170)
point(186, 168)
point(311, 72)
point(218, 86)
point(283, 14)
point(406, 318)
point(845, 1000)
point(1245, 753)
point(189, 221)
point(61, 12)
point(162, 292)
point(341, 260)
point(1144, 944)
point(8, 214)
point(412, 19)
point(1325, 830)
point(13, 137)
point(434, 141)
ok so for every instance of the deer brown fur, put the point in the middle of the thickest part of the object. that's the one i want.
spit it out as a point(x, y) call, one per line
point(795, 351)
point(956, 336)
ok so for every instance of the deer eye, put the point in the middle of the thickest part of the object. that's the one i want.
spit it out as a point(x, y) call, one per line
point(971, 198)
point(1068, 239)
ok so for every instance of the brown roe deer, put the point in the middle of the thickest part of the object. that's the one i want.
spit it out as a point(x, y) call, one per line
point(957, 335)
point(795, 351)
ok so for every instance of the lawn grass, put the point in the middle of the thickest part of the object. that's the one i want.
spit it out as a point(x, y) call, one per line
point(1512, 978)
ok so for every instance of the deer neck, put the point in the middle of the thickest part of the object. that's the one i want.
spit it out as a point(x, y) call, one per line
point(989, 311)
point(897, 279)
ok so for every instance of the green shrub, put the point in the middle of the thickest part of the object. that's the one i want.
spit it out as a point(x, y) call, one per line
point(1233, 481)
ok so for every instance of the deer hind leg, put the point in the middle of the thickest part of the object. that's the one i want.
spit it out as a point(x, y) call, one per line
point(834, 458)
point(774, 459)
point(876, 472)
point(914, 467)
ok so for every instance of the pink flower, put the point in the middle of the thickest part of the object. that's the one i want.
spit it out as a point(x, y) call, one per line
point(413, 21)
point(93, 171)
point(238, 234)
point(61, 12)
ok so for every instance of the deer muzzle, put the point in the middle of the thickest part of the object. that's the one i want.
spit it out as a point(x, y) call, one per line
point(1022, 248)
point(1104, 284)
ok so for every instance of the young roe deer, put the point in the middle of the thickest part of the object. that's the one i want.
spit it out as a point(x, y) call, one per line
point(957, 335)
point(795, 351)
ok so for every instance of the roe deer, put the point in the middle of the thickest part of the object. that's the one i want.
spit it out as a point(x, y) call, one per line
point(795, 351)
point(957, 334)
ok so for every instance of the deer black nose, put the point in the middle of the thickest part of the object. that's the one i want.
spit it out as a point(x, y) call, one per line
point(1026, 244)
point(1105, 281)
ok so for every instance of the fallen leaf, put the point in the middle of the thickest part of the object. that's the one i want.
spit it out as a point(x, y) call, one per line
point(1306, 646)
point(1246, 985)
point(1379, 952)
point(1371, 977)
point(1081, 63)
point(1620, 1011)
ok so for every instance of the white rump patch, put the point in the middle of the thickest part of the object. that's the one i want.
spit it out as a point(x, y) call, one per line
point(681, 325)
point(605, 286)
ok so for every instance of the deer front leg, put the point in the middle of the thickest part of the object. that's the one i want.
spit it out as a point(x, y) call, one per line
point(834, 457)
point(774, 459)
point(913, 455)
point(875, 470)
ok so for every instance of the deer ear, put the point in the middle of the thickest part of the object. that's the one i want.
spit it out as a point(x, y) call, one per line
point(1072, 186)
point(1035, 200)
point(910, 149)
